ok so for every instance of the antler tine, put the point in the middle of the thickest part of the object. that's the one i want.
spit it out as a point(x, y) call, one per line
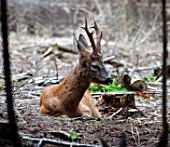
point(90, 35)
point(98, 37)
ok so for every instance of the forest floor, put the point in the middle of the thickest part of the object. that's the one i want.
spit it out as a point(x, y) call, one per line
point(34, 67)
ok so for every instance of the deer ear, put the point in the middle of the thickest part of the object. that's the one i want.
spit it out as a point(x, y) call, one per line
point(83, 41)
point(78, 45)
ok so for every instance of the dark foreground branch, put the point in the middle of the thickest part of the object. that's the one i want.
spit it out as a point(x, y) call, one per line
point(7, 72)
point(164, 137)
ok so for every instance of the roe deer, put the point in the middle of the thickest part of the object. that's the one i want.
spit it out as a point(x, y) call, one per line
point(70, 97)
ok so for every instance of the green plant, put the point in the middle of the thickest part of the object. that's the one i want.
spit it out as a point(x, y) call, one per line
point(113, 87)
point(62, 118)
point(74, 136)
point(150, 78)
point(94, 87)
point(78, 121)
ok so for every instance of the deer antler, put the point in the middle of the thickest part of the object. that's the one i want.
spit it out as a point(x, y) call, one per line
point(96, 48)
point(98, 38)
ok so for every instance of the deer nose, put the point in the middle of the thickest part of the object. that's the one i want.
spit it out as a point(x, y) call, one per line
point(108, 81)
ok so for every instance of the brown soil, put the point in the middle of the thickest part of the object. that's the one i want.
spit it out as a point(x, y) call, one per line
point(139, 129)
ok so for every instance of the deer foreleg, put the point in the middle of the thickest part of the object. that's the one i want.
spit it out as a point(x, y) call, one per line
point(83, 110)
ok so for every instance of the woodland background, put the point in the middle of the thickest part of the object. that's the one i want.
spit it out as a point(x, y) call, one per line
point(42, 53)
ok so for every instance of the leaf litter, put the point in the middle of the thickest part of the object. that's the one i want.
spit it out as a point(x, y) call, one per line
point(138, 129)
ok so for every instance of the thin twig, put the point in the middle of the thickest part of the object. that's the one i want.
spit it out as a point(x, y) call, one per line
point(55, 142)
point(56, 66)
point(141, 69)
point(79, 118)
point(60, 133)
point(59, 47)
point(108, 59)
point(1, 77)
point(114, 114)
point(27, 80)
point(137, 133)
point(137, 67)
point(148, 35)
point(122, 92)
point(148, 68)
point(40, 143)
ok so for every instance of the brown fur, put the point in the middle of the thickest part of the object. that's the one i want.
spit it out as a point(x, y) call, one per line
point(70, 98)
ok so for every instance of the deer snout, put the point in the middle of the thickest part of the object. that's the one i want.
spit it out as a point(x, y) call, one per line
point(108, 81)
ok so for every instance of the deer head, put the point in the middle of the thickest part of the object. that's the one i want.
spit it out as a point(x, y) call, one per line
point(91, 64)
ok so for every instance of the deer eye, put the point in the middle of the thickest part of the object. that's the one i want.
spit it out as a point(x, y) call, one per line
point(94, 67)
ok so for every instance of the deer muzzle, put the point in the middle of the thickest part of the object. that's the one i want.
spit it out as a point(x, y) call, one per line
point(108, 81)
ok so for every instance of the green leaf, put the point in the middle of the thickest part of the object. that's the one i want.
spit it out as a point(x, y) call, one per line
point(150, 78)
point(96, 88)
point(74, 136)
